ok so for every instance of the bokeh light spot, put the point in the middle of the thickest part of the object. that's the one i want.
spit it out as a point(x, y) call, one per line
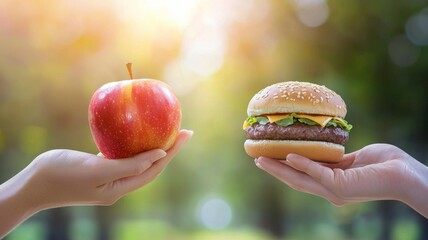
point(417, 28)
point(215, 214)
point(312, 13)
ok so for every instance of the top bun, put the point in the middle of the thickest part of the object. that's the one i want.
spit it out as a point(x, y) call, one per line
point(298, 97)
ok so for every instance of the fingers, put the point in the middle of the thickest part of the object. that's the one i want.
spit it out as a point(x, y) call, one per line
point(346, 162)
point(331, 179)
point(296, 179)
point(313, 169)
point(340, 186)
point(113, 169)
point(349, 157)
point(130, 184)
point(182, 138)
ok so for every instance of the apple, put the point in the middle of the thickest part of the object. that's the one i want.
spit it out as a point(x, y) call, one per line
point(132, 116)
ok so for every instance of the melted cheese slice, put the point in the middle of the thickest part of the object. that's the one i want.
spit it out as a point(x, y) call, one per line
point(276, 118)
point(245, 125)
point(321, 120)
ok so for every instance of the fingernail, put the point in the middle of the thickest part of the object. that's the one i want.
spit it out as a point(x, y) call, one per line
point(190, 132)
point(293, 157)
point(162, 154)
point(256, 161)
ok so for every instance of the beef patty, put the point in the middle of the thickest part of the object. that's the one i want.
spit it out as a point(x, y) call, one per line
point(297, 131)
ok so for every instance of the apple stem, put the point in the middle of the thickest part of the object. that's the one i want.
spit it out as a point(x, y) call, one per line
point(129, 67)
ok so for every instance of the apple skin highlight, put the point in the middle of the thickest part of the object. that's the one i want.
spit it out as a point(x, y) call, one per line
point(132, 116)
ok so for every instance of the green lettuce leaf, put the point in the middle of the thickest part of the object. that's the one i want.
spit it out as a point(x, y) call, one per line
point(262, 120)
point(251, 120)
point(342, 123)
point(293, 118)
point(307, 121)
point(286, 121)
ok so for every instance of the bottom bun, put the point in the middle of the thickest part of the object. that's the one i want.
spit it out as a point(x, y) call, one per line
point(279, 149)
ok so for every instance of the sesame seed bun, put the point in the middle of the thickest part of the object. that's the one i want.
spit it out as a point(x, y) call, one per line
point(298, 97)
point(279, 149)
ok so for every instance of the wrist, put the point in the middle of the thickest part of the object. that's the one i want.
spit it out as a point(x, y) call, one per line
point(15, 204)
point(416, 190)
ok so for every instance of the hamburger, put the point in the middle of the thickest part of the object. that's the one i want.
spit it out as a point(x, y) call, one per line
point(297, 117)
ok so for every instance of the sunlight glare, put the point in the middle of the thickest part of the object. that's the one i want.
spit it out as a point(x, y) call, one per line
point(203, 50)
point(180, 78)
point(177, 13)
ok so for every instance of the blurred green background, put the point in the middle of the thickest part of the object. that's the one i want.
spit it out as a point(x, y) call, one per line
point(216, 55)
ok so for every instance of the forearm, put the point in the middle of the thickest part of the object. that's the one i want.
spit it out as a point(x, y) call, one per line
point(15, 206)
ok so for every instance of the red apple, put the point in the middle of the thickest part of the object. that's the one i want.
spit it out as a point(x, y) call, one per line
point(133, 116)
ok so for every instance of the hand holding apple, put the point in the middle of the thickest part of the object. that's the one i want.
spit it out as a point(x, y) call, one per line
point(132, 116)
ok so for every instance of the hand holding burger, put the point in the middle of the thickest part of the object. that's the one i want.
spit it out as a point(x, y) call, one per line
point(300, 122)
point(375, 172)
point(297, 117)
